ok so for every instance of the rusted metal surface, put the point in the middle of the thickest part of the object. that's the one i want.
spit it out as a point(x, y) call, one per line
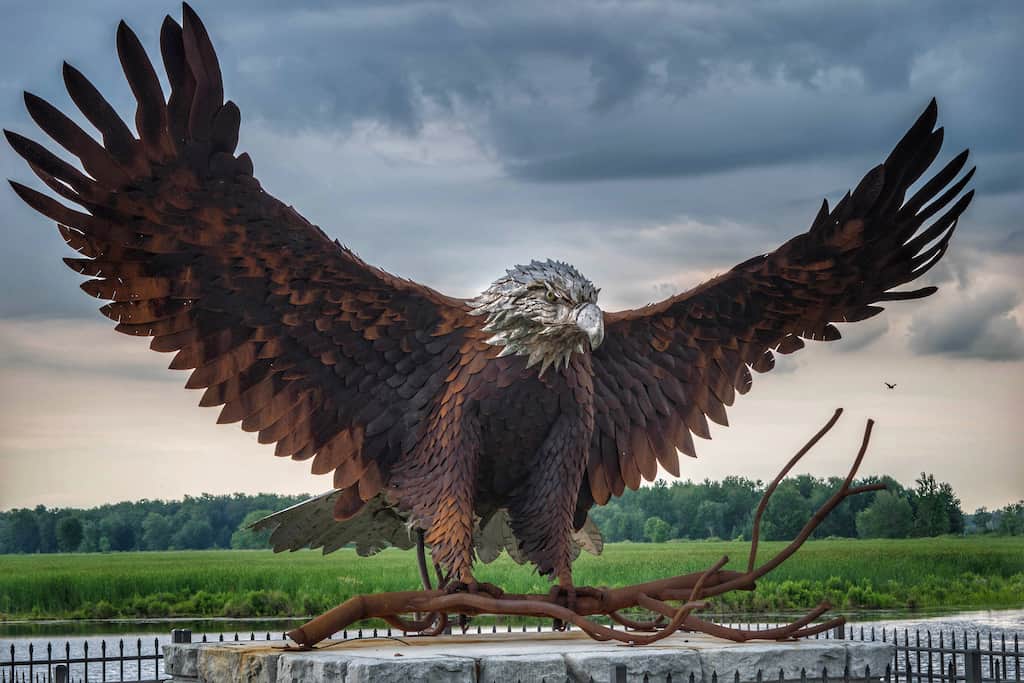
point(528, 400)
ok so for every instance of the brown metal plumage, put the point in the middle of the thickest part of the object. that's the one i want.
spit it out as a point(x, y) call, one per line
point(395, 387)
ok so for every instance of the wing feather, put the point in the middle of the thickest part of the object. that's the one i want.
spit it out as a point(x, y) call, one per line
point(297, 338)
point(694, 351)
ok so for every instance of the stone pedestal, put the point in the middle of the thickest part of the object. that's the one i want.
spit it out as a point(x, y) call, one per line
point(525, 658)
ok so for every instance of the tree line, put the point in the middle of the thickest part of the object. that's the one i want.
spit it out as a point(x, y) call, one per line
point(725, 509)
point(681, 510)
point(194, 523)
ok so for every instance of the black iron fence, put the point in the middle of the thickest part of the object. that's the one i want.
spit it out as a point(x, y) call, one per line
point(921, 657)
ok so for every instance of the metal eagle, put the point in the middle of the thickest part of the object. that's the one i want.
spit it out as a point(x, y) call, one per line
point(527, 404)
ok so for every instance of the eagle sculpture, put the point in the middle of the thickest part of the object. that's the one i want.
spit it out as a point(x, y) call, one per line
point(527, 401)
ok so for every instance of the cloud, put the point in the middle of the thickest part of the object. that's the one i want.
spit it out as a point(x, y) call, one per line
point(407, 130)
point(860, 335)
point(983, 326)
point(90, 347)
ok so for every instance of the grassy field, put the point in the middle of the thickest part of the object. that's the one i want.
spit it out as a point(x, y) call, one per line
point(945, 572)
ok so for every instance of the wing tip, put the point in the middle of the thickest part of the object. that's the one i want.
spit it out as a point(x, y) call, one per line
point(169, 24)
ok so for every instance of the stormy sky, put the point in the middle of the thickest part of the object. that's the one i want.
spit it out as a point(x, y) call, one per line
point(650, 144)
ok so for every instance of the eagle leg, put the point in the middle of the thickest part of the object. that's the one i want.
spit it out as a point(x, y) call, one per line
point(566, 594)
point(443, 505)
point(541, 512)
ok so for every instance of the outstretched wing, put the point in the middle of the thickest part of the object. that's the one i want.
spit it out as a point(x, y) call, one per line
point(665, 368)
point(295, 336)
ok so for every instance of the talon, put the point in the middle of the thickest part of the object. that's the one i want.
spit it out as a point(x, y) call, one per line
point(473, 588)
point(564, 596)
point(599, 594)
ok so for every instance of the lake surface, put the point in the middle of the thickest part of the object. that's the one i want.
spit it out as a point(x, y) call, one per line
point(145, 637)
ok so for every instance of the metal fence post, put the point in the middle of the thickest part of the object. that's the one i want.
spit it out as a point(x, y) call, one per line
point(972, 666)
point(60, 673)
point(618, 673)
point(181, 635)
point(839, 633)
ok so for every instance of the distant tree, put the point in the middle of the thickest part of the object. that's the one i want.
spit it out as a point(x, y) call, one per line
point(69, 533)
point(246, 538)
point(786, 514)
point(980, 521)
point(90, 537)
point(118, 531)
point(156, 531)
point(936, 508)
point(710, 518)
point(618, 524)
point(46, 520)
point(23, 532)
point(194, 534)
point(657, 530)
point(1011, 519)
point(889, 516)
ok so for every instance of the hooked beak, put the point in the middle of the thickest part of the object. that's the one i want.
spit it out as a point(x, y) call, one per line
point(590, 319)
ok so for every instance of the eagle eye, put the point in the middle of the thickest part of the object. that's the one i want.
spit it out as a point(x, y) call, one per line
point(551, 297)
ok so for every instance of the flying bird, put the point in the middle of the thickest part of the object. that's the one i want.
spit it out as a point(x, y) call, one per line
point(527, 403)
point(891, 386)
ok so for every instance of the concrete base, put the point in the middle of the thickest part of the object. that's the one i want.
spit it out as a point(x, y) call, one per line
point(525, 658)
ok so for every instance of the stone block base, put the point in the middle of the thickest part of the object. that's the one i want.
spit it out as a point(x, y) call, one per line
point(524, 658)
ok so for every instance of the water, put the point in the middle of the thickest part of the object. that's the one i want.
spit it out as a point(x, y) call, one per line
point(69, 638)
point(139, 641)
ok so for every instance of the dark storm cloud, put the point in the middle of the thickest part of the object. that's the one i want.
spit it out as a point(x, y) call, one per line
point(580, 91)
point(622, 117)
point(982, 326)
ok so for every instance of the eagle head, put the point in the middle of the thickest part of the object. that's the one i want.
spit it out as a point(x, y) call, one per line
point(545, 311)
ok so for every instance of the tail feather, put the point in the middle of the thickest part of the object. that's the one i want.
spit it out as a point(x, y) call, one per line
point(311, 524)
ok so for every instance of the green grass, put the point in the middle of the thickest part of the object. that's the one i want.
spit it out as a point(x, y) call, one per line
point(944, 572)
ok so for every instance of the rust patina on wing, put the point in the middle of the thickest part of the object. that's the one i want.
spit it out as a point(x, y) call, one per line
point(664, 369)
point(295, 336)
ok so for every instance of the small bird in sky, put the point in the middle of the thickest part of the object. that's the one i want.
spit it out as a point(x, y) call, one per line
point(891, 386)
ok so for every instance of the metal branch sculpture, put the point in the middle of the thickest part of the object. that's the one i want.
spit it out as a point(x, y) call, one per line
point(690, 591)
